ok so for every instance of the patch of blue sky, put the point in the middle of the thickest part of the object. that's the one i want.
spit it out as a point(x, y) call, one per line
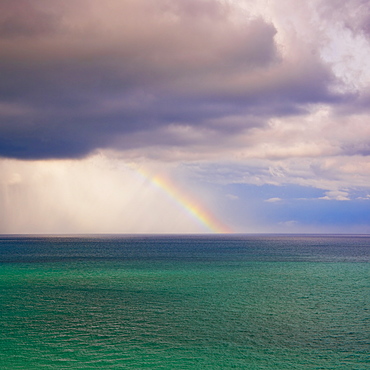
point(296, 208)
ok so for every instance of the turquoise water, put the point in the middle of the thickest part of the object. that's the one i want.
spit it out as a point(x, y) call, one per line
point(246, 302)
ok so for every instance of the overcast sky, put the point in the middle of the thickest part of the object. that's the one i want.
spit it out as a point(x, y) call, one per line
point(256, 111)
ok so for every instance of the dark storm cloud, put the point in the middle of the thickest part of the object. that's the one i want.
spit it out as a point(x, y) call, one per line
point(25, 18)
point(77, 75)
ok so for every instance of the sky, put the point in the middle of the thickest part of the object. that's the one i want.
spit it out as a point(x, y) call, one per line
point(184, 116)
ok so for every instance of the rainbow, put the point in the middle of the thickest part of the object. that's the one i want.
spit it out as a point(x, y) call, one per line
point(189, 204)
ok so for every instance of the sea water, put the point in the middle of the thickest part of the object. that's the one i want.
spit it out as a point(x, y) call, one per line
point(185, 302)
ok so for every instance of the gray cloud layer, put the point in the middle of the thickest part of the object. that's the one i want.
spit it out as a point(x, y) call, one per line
point(81, 75)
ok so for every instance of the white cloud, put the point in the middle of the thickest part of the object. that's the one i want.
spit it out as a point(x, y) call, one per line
point(336, 195)
point(288, 224)
point(364, 198)
point(273, 200)
point(95, 195)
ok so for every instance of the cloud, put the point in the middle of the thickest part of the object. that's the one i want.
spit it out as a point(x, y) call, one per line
point(288, 224)
point(25, 18)
point(353, 14)
point(123, 75)
point(232, 197)
point(336, 195)
point(94, 195)
point(367, 197)
point(273, 200)
point(238, 91)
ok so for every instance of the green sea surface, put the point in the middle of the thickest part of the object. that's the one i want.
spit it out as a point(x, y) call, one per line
point(185, 303)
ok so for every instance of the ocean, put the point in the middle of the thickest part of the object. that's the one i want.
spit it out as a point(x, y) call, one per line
point(185, 302)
